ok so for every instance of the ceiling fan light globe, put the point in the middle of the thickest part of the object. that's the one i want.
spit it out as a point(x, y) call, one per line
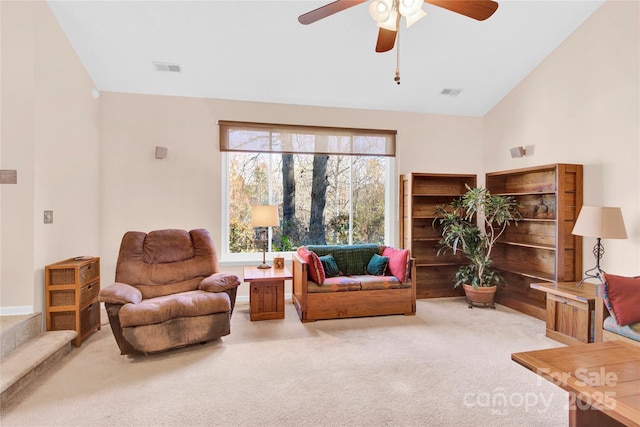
point(380, 10)
point(391, 23)
point(409, 7)
point(412, 19)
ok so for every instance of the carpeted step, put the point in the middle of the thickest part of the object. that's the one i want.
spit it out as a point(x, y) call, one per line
point(29, 360)
point(17, 330)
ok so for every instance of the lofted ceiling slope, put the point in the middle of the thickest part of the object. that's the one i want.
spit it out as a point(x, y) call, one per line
point(257, 51)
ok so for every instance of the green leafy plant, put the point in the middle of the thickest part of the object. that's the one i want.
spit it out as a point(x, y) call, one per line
point(458, 222)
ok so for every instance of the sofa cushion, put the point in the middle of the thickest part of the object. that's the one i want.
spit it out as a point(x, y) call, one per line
point(316, 271)
point(624, 297)
point(330, 266)
point(378, 265)
point(161, 309)
point(631, 331)
point(607, 301)
point(351, 259)
point(398, 262)
point(335, 284)
point(370, 283)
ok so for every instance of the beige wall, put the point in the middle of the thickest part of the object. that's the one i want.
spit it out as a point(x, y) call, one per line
point(50, 135)
point(92, 162)
point(139, 192)
point(581, 105)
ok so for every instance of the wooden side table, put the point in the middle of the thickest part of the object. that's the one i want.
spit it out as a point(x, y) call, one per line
point(266, 293)
point(570, 311)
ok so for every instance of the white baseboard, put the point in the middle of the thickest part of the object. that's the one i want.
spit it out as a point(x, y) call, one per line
point(16, 310)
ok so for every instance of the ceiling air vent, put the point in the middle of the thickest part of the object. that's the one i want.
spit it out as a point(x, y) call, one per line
point(165, 66)
point(451, 92)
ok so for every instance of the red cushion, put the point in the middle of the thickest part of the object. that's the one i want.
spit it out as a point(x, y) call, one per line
point(316, 271)
point(624, 295)
point(398, 262)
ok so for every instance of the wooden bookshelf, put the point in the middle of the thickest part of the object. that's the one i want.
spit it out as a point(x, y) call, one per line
point(420, 193)
point(540, 248)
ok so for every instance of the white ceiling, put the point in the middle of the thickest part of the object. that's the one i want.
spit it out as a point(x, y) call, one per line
point(257, 51)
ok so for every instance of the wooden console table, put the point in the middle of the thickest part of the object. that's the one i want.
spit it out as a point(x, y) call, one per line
point(266, 294)
point(603, 380)
point(570, 311)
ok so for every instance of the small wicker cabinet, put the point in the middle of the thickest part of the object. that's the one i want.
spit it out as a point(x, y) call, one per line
point(71, 294)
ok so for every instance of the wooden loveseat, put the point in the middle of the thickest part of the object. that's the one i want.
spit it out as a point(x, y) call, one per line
point(354, 291)
point(613, 292)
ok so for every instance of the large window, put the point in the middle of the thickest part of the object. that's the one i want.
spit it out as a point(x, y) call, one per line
point(331, 186)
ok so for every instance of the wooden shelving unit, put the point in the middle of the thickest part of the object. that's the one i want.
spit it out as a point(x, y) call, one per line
point(420, 193)
point(71, 288)
point(541, 247)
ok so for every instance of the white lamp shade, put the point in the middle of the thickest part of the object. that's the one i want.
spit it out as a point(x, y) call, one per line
point(409, 7)
point(265, 216)
point(415, 17)
point(600, 221)
point(380, 10)
point(390, 24)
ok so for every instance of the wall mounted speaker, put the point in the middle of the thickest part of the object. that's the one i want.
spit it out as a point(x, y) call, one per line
point(518, 152)
point(161, 152)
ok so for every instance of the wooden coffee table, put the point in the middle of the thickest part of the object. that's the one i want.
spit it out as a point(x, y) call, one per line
point(266, 293)
point(603, 380)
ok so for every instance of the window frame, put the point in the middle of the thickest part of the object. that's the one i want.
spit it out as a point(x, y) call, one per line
point(391, 206)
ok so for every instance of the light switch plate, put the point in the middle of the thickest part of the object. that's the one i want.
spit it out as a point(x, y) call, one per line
point(8, 176)
point(48, 217)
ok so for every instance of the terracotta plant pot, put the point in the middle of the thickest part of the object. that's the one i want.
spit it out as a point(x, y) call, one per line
point(481, 297)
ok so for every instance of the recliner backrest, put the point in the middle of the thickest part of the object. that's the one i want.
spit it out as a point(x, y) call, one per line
point(165, 262)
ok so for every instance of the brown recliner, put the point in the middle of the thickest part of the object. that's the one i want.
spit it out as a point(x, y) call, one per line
point(168, 292)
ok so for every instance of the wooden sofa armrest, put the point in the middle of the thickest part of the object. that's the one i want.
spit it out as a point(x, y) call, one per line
point(300, 274)
point(412, 278)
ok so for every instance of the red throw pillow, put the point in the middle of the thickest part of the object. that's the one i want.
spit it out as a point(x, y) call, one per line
point(398, 262)
point(316, 271)
point(624, 295)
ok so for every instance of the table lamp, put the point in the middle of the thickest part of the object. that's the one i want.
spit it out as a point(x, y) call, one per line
point(264, 217)
point(600, 222)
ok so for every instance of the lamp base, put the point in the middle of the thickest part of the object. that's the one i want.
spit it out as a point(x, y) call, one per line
point(595, 272)
point(264, 266)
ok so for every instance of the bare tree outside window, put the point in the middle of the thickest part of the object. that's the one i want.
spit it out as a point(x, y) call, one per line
point(322, 199)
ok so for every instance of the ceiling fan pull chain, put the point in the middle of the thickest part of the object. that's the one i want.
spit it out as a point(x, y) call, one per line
point(397, 77)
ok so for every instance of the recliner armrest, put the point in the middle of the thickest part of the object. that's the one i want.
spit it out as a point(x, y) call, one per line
point(219, 282)
point(120, 293)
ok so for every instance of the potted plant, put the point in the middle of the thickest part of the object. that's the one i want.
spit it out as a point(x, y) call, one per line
point(472, 225)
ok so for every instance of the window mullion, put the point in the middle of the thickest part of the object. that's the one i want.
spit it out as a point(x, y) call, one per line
point(350, 201)
point(270, 192)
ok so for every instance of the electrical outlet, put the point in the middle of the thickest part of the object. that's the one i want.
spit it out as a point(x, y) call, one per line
point(48, 217)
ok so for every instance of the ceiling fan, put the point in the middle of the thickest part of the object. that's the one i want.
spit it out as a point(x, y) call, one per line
point(388, 13)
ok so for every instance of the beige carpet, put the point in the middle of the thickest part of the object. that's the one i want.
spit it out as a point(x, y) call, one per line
point(448, 365)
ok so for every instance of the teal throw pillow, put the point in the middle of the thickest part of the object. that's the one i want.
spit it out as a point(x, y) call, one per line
point(330, 266)
point(378, 265)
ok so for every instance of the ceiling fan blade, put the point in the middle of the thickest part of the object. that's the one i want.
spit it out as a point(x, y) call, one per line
point(327, 10)
point(476, 9)
point(386, 40)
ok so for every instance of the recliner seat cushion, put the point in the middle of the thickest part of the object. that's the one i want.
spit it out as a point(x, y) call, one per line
point(185, 304)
